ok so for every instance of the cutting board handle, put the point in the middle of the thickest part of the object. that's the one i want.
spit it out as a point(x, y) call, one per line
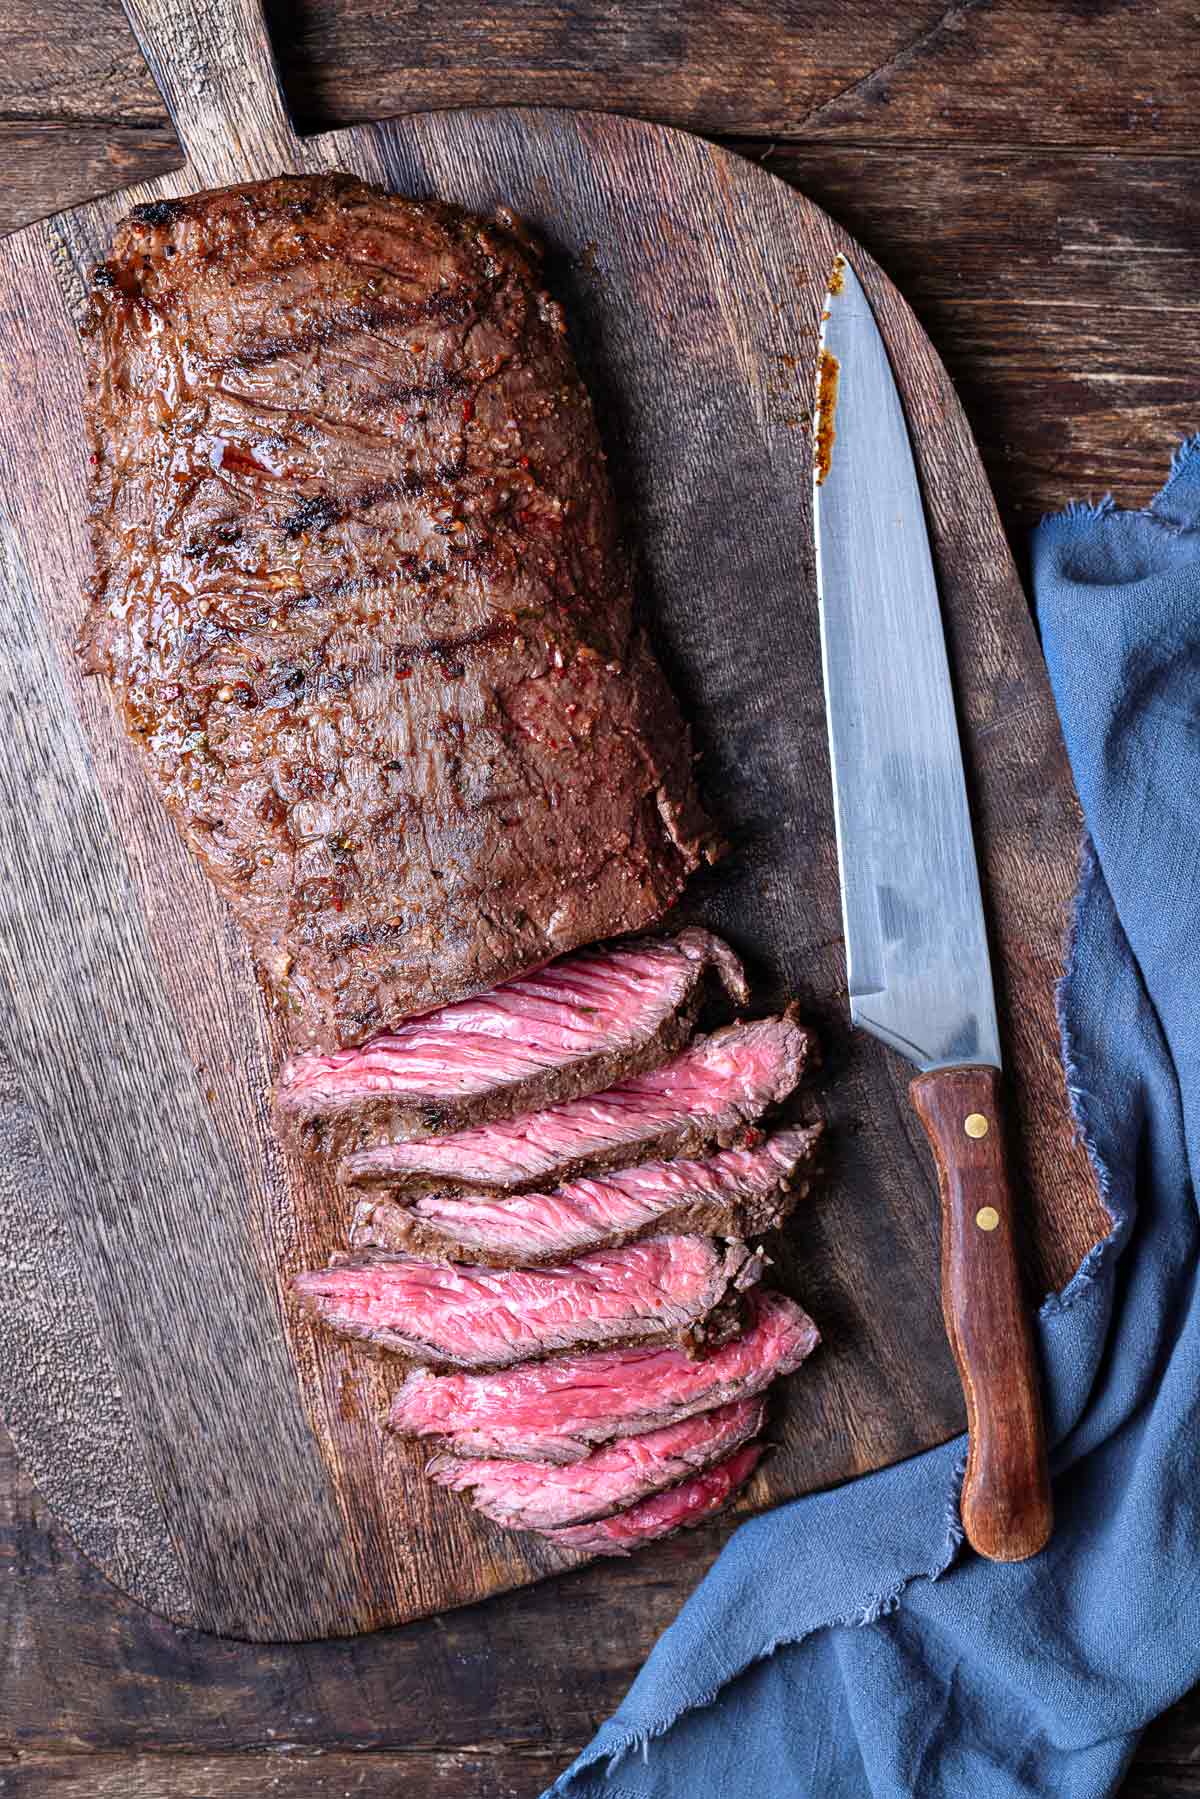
point(214, 67)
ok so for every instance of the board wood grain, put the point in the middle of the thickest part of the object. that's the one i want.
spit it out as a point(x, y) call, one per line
point(218, 1459)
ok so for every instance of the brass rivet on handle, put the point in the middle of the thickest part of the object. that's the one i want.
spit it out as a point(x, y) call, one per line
point(987, 1218)
point(975, 1124)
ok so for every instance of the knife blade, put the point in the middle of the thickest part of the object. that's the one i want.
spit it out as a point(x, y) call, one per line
point(919, 972)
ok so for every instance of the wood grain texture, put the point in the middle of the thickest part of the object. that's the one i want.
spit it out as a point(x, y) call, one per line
point(215, 69)
point(96, 1689)
point(1116, 75)
point(958, 71)
point(693, 284)
point(285, 1774)
point(496, 1774)
point(90, 1672)
point(1006, 1506)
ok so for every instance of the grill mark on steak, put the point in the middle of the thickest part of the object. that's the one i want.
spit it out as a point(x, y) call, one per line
point(444, 384)
point(319, 511)
point(448, 650)
point(159, 212)
point(236, 343)
point(442, 308)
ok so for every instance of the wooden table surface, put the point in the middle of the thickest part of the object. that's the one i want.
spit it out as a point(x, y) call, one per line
point(1021, 168)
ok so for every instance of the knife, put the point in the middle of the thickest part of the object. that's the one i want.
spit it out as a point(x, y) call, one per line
point(919, 973)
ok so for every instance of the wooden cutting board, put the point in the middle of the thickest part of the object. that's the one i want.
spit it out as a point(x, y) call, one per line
point(215, 1457)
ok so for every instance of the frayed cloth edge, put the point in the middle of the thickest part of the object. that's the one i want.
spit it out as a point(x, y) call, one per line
point(1107, 506)
point(1179, 461)
point(638, 1742)
point(1081, 509)
point(1081, 1100)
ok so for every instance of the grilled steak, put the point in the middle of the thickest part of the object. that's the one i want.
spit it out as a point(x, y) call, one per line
point(735, 1193)
point(666, 1289)
point(558, 1410)
point(532, 1496)
point(359, 591)
point(577, 1025)
point(705, 1096)
point(693, 1502)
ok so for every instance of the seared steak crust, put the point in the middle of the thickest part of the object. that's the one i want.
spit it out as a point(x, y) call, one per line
point(360, 594)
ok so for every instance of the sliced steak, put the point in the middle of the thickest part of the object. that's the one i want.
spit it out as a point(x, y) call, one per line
point(693, 1502)
point(577, 1025)
point(360, 594)
point(735, 1193)
point(532, 1496)
point(558, 1410)
point(664, 1289)
point(705, 1096)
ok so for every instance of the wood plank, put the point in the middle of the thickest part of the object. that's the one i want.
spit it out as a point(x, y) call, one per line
point(52, 163)
point(1015, 71)
point(955, 75)
point(74, 60)
point(959, 74)
point(285, 1774)
point(675, 62)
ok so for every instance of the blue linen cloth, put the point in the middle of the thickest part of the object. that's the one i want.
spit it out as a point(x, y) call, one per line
point(848, 1644)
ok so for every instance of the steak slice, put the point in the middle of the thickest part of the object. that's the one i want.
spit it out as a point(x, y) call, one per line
point(693, 1502)
point(577, 1025)
point(360, 593)
point(532, 1496)
point(735, 1193)
point(666, 1289)
point(705, 1096)
point(558, 1410)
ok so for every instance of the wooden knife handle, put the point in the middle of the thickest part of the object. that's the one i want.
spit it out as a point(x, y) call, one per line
point(1006, 1506)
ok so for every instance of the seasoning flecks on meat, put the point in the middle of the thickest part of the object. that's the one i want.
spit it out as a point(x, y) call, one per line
point(360, 594)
